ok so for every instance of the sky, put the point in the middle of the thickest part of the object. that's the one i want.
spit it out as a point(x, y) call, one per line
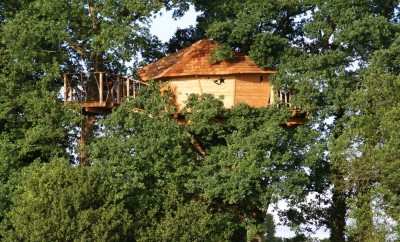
point(164, 26)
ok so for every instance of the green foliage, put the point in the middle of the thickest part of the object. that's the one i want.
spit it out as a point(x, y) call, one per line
point(365, 226)
point(142, 137)
point(375, 129)
point(58, 202)
point(39, 40)
point(242, 170)
point(96, 35)
point(332, 55)
point(191, 222)
point(242, 23)
point(268, 50)
point(34, 125)
point(184, 38)
point(216, 171)
point(222, 53)
point(254, 165)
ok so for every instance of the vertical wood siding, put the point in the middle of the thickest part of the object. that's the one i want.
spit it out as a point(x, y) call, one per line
point(252, 91)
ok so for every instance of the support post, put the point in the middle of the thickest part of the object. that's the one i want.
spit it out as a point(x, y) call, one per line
point(272, 97)
point(288, 98)
point(86, 132)
point(65, 88)
point(134, 89)
point(118, 90)
point(101, 85)
point(127, 87)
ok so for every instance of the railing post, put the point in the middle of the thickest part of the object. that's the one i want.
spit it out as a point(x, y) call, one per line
point(127, 87)
point(134, 89)
point(101, 87)
point(272, 97)
point(287, 98)
point(118, 90)
point(65, 88)
point(83, 96)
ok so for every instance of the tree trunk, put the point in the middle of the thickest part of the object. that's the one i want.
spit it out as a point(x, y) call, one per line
point(338, 215)
point(86, 132)
point(240, 235)
point(337, 220)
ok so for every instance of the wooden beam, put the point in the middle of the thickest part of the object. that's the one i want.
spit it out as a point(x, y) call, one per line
point(101, 86)
point(235, 80)
point(86, 133)
point(127, 87)
point(65, 88)
point(272, 95)
point(118, 90)
point(134, 90)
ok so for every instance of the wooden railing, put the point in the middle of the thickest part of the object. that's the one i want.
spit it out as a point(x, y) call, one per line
point(99, 88)
point(284, 97)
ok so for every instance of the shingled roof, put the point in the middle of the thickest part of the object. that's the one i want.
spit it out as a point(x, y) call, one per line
point(195, 61)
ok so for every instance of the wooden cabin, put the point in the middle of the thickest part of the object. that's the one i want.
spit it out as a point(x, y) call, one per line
point(236, 81)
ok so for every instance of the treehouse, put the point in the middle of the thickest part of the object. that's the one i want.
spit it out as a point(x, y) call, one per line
point(240, 80)
point(189, 71)
point(98, 92)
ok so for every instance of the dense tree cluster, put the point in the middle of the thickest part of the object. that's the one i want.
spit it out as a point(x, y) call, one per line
point(213, 174)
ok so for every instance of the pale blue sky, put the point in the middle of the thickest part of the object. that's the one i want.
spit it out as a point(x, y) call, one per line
point(164, 26)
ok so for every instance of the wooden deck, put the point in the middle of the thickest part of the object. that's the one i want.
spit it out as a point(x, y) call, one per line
point(99, 92)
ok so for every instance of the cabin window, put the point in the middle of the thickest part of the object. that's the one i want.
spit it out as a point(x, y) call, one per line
point(261, 78)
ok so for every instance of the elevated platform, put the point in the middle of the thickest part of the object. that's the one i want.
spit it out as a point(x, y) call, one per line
point(99, 92)
point(298, 118)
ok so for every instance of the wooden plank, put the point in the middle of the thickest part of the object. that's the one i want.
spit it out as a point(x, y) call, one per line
point(118, 89)
point(65, 88)
point(101, 86)
point(93, 104)
point(272, 95)
point(127, 87)
point(253, 90)
point(234, 92)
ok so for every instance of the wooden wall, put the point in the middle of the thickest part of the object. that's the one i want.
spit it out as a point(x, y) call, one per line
point(253, 90)
point(185, 86)
point(245, 88)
